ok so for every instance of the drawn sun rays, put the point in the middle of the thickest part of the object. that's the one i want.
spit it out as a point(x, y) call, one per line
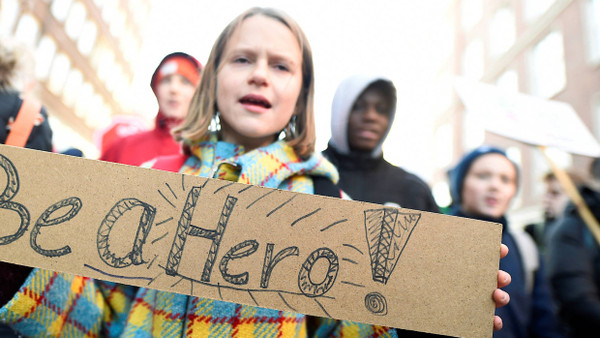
point(168, 194)
point(300, 217)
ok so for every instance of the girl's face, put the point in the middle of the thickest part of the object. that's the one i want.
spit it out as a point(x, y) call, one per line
point(489, 186)
point(258, 82)
point(174, 94)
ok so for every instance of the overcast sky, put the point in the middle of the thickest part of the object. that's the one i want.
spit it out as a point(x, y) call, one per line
point(403, 40)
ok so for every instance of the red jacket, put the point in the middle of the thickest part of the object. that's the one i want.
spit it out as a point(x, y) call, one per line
point(139, 148)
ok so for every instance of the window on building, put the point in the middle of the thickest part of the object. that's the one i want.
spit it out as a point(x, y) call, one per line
point(471, 12)
point(472, 62)
point(87, 40)
point(443, 146)
point(547, 65)
point(109, 7)
point(58, 73)
point(473, 130)
point(592, 23)
point(8, 16)
point(105, 116)
point(75, 20)
point(60, 9)
point(106, 66)
point(129, 46)
point(44, 54)
point(98, 53)
point(27, 30)
point(117, 23)
point(82, 104)
point(72, 87)
point(534, 8)
point(141, 9)
point(99, 3)
point(112, 79)
point(502, 31)
point(508, 81)
point(444, 92)
point(92, 116)
point(98, 114)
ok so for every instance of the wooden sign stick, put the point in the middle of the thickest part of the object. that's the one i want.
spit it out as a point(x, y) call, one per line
point(590, 221)
point(246, 244)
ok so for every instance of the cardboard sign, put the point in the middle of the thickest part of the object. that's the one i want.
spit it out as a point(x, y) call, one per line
point(528, 118)
point(239, 243)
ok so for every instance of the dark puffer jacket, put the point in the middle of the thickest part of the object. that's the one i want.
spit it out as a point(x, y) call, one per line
point(574, 269)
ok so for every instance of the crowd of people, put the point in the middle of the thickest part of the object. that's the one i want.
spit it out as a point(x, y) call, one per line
point(253, 100)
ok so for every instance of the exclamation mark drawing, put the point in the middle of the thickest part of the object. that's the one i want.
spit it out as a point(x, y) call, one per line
point(388, 232)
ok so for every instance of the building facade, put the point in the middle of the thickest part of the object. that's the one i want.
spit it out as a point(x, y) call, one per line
point(84, 52)
point(546, 48)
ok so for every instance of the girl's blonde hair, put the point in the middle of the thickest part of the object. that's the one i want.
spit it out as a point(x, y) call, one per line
point(300, 132)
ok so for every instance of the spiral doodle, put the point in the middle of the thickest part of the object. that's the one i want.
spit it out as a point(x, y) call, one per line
point(376, 304)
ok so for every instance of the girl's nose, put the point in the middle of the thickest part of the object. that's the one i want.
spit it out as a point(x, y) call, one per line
point(175, 84)
point(258, 76)
point(496, 182)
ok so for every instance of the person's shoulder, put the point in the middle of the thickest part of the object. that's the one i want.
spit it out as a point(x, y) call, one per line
point(167, 162)
point(10, 102)
point(129, 141)
point(409, 177)
point(323, 186)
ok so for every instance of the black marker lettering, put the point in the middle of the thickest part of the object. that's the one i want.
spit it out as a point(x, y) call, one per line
point(44, 221)
point(309, 287)
point(270, 263)
point(118, 210)
point(185, 228)
point(244, 249)
point(12, 186)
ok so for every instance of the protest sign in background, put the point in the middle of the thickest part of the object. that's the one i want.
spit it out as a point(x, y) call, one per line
point(528, 118)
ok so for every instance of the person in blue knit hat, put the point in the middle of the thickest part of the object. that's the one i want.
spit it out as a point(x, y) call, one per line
point(482, 186)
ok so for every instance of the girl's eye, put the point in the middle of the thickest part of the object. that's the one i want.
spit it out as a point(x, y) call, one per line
point(281, 67)
point(483, 176)
point(241, 59)
point(185, 81)
point(506, 180)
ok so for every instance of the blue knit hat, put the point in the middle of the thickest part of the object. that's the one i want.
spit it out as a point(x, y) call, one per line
point(456, 175)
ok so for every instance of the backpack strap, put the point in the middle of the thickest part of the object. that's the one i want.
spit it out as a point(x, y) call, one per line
point(170, 162)
point(21, 128)
point(529, 256)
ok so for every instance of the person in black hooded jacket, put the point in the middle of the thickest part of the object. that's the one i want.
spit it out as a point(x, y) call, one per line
point(574, 268)
point(362, 114)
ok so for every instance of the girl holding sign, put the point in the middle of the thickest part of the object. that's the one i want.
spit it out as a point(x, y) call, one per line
point(258, 87)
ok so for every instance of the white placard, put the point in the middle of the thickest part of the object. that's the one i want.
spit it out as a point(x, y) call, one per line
point(528, 118)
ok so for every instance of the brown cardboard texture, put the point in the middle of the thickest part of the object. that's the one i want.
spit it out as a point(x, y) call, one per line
point(210, 238)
